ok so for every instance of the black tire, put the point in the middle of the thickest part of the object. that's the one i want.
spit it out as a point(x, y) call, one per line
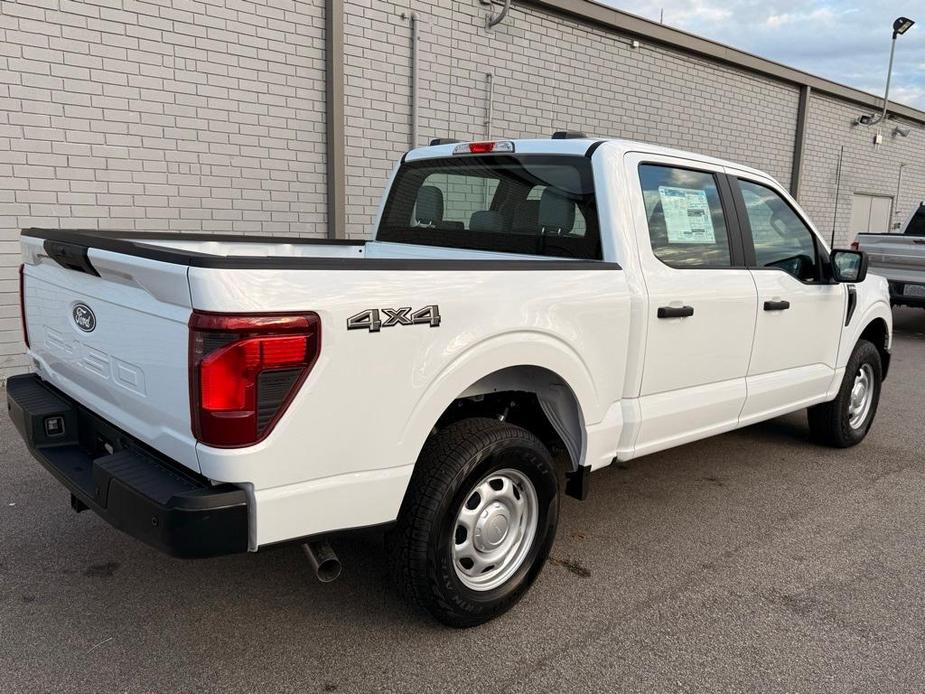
point(420, 546)
point(830, 422)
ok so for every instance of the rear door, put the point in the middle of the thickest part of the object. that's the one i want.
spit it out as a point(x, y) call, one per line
point(116, 341)
point(701, 300)
point(800, 312)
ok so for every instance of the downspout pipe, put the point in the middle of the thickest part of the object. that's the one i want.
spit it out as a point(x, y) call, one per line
point(335, 138)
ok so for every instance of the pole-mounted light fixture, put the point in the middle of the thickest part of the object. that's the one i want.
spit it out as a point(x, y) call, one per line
point(900, 27)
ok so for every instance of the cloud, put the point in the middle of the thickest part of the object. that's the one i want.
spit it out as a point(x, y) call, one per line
point(776, 21)
point(822, 14)
point(847, 41)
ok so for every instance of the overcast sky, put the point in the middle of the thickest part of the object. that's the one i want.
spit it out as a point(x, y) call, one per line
point(847, 41)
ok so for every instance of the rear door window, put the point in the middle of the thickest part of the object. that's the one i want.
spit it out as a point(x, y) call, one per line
point(687, 226)
point(531, 204)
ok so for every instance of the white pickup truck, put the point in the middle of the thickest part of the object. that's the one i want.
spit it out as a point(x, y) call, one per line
point(524, 303)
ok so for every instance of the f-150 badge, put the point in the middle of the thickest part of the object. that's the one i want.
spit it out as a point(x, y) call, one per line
point(374, 319)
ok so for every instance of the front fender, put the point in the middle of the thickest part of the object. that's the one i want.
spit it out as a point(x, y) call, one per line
point(872, 305)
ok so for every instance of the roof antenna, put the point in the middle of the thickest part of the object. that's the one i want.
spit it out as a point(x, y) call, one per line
point(661, 16)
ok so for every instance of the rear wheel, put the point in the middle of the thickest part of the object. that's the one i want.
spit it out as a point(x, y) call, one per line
point(845, 421)
point(477, 522)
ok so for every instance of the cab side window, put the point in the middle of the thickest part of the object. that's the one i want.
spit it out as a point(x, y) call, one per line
point(780, 237)
point(687, 227)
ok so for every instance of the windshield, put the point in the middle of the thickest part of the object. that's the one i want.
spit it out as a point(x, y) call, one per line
point(532, 204)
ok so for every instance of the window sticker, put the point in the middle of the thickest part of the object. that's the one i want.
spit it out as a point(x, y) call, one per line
point(687, 215)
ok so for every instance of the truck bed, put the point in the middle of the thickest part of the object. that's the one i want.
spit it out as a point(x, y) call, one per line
point(130, 363)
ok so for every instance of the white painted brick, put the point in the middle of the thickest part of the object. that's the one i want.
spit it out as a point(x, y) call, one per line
point(209, 116)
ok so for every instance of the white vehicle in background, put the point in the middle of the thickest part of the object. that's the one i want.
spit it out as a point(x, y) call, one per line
point(900, 258)
point(599, 299)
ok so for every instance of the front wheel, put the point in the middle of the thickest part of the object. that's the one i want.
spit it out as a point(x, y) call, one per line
point(845, 421)
point(477, 523)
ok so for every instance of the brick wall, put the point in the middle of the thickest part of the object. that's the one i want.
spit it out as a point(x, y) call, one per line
point(166, 114)
point(549, 73)
point(208, 115)
point(866, 168)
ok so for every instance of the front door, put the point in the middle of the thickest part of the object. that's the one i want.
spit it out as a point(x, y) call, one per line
point(701, 301)
point(800, 312)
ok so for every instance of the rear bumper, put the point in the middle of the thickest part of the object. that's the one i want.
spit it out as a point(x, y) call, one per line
point(134, 489)
point(907, 294)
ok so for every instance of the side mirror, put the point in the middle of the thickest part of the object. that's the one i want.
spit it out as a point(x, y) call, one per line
point(849, 266)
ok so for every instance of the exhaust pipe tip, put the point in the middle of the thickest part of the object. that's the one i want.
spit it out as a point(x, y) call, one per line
point(324, 561)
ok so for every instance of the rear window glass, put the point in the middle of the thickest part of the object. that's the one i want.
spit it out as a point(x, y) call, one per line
point(532, 204)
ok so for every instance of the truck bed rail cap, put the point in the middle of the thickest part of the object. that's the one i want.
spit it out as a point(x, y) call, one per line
point(132, 243)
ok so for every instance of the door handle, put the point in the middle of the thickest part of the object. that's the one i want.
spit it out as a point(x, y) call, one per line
point(776, 305)
point(918, 241)
point(675, 311)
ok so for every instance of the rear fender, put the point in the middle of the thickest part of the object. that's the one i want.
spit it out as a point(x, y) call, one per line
point(492, 366)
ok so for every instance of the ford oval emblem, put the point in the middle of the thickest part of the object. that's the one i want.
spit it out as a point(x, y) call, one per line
point(84, 318)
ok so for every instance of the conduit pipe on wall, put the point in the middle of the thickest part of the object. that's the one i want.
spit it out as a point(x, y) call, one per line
point(841, 156)
point(899, 188)
point(490, 109)
point(413, 20)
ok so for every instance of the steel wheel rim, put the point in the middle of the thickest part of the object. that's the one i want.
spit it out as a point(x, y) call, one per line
point(861, 397)
point(494, 529)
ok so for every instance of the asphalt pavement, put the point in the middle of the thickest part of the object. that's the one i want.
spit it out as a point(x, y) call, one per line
point(754, 561)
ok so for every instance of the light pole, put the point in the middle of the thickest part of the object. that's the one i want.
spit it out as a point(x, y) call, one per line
point(900, 27)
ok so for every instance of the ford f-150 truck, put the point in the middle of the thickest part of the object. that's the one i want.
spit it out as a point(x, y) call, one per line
point(524, 303)
point(900, 258)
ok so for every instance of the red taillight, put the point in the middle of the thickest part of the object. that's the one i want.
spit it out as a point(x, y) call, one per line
point(855, 245)
point(22, 304)
point(244, 372)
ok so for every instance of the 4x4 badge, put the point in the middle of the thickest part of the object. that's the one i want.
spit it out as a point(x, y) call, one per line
point(371, 319)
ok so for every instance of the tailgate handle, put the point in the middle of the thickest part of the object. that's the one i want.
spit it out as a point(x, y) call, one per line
point(71, 256)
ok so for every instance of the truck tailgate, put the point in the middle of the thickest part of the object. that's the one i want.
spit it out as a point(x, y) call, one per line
point(898, 257)
point(116, 341)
